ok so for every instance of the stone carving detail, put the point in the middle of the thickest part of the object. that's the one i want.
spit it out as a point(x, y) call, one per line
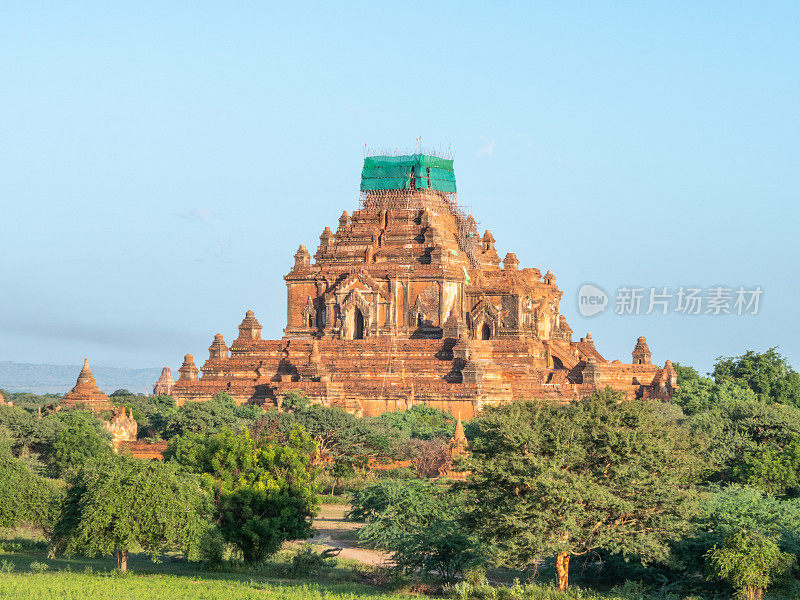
point(310, 314)
point(485, 320)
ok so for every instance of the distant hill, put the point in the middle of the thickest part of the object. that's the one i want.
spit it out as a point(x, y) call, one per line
point(58, 379)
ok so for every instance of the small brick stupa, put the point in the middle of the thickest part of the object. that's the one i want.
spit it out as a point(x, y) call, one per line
point(2, 400)
point(163, 387)
point(86, 394)
point(458, 448)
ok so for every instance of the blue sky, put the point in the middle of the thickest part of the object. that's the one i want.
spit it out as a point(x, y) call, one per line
point(161, 162)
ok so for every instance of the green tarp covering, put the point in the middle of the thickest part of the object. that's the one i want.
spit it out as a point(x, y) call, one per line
point(396, 173)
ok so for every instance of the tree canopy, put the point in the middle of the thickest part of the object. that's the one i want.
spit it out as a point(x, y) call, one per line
point(210, 417)
point(739, 428)
point(80, 440)
point(24, 496)
point(127, 503)
point(263, 487)
point(768, 374)
point(421, 422)
point(596, 474)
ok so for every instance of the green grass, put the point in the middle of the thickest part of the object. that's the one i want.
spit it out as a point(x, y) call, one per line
point(79, 586)
point(171, 579)
point(333, 499)
point(27, 573)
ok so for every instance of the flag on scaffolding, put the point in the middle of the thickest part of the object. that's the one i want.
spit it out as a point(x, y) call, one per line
point(466, 276)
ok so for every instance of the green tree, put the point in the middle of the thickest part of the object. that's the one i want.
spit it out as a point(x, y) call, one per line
point(24, 496)
point(768, 374)
point(421, 422)
point(121, 392)
point(418, 520)
point(749, 561)
point(735, 429)
point(703, 394)
point(80, 439)
point(685, 373)
point(599, 474)
point(22, 427)
point(393, 509)
point(344, 442)
point(774, 471)
point(295, 401)
point(345, 437)
point(208, 417)
point(128, 504)
point(263, 487)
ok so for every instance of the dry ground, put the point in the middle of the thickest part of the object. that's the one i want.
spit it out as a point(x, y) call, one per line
point(333, 531)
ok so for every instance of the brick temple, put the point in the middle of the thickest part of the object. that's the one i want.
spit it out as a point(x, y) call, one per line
point(86, 394)
point(407, 303)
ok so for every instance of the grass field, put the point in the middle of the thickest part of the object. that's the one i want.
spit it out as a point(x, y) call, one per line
point(171, 579)
point(26, 573)
point(80, 586)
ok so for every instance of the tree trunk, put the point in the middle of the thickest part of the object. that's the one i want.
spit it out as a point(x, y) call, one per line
point(753, 592)
point(562, 568)
point(122, 560)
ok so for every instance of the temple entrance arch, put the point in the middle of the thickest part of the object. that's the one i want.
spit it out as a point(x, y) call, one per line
point(485, 321)
point(358, 324)
point(357, 317)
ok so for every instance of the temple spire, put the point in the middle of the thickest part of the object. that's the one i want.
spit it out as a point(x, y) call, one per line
point(86, 392)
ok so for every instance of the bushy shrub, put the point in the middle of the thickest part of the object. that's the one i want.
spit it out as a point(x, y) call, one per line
point(38, 567)
point(749, 561)
point(307, 560)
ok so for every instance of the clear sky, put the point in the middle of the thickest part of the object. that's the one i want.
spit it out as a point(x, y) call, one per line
point(160, 162)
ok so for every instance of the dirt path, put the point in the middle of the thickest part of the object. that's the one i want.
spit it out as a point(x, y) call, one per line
point(332, 531)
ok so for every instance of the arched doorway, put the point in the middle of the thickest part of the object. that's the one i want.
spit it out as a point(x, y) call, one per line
point(486, 332)
point(358, 325)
